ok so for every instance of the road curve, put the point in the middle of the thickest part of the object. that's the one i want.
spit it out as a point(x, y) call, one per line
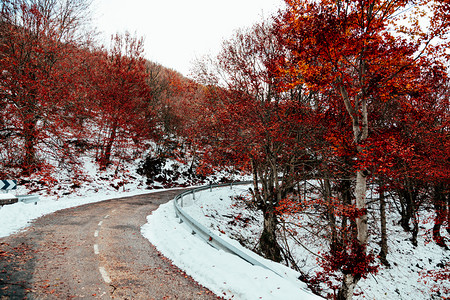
point(94, 251)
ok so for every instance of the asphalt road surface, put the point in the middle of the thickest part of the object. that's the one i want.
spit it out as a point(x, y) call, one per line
point(94, 251)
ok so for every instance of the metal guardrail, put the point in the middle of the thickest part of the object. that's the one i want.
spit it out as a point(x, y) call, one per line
point(207, 235)
point(28, 198)
point(7, 185)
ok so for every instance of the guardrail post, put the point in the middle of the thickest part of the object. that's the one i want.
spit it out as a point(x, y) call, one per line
point(193, 195)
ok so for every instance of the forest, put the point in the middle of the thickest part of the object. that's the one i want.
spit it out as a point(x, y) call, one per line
point(348, 93)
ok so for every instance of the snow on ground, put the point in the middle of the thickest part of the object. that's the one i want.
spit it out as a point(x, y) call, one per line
point(69, 190)
point(17, 216)
point(6, 196)
point(223, 273)
point(222, 211)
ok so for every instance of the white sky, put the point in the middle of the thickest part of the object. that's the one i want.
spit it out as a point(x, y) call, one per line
point(178, 31)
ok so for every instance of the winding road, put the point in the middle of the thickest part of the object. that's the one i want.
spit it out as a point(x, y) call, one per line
point(94, 251)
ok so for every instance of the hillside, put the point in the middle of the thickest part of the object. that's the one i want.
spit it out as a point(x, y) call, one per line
point(406, 278)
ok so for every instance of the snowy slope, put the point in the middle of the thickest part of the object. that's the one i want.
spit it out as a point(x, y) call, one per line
point(233, 278)
point(218, 211)
point(223, 273)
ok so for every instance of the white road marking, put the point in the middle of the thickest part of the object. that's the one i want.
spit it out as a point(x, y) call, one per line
point(96, 251)
point(104, 275)
point(113, 210)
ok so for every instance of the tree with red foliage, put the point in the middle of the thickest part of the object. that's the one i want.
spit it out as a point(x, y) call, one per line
point(36, 49)
point(419, 149)
point(349, 49)
point(123, 108)
point(250, 123)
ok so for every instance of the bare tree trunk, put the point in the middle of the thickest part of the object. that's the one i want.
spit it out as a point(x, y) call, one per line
point(272, 194)
point(349, 280)
point(406, 211)
point(346, 195)
point(383, 243)
point(347, 288)
point(415, 230)
point(448, 213)
point(440, 209)
point(266, 201)
point(331, 217)
point(29, 134)
point(359, 115)
point(268, 240)
point(106, 155)
point(360, 194)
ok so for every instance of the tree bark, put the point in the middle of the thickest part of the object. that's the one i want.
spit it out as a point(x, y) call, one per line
point(268, 240)
point(440, 209)
point(408, 199)
point(360, 125)
point(331, 215)
point(106, 155)
point(448, 213)
point(349, 280)
point(383, 243)
point(360, 194)
point(415, 230)
point(406, 209)
point(345, 188)
point(266, 201)
point(29, 133)
point(347, 288)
